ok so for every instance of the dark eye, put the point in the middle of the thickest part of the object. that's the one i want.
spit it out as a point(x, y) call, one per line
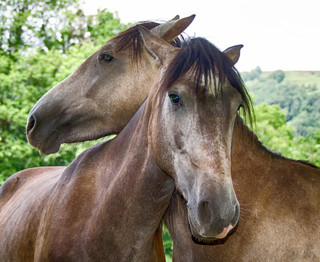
point(105, 58)
point(175, 99)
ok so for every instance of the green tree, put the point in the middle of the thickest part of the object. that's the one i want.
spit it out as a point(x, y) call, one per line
point(44, 24)
point(272, 129)
point(278, 75)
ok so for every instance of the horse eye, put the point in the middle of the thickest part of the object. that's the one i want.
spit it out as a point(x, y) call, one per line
point(105, 58)
point(175, 99)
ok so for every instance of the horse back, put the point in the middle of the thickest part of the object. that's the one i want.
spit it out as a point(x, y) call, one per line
point(20, 179)
point(23, 198)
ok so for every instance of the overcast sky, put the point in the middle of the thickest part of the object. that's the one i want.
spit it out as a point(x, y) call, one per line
point(276, 34)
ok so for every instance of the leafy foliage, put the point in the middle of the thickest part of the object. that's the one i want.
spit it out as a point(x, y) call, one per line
point(297, 93)
point(45, 24)
point(278, 135)
point(167, 244)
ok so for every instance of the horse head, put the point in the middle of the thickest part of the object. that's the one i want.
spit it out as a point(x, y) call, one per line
point(197, 101)
point(103, 93)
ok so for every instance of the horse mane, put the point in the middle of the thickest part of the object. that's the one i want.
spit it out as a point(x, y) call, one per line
point(261, 146)
point(302, 162)
point(131, 38)
point(307, 164)
point(208, 65)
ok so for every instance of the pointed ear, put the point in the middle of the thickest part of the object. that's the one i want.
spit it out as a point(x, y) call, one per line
point(233, 53)
point(171, 29)
point(156, 46)
point(175, 18)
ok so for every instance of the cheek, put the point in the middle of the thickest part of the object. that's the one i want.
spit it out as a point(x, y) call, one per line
point(164, 140)
point(91, 87)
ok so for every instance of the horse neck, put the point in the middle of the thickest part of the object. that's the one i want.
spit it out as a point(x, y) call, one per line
point(252, 164)
point(248, 153)
point(244, 140)
point(126, 192)
point(246, 147)
point(141, 193)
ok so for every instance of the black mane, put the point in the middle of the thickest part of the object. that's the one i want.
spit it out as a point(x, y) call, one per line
point(131, 38)
point(208, 65)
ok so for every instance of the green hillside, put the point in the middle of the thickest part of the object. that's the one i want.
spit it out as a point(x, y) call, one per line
point(296, 92)
point(307, 78)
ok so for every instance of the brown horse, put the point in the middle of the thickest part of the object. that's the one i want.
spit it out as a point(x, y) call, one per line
point(280, 200)
point(108, 203)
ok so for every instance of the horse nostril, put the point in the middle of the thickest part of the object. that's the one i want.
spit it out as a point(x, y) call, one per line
point(31, 124)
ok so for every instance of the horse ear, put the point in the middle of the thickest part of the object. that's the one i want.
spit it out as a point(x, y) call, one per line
point(157, 47)
point(175, 18)
point(171, 29)
point(233, 53)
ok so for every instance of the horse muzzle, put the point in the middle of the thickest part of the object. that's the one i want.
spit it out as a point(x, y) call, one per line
point(211, 221)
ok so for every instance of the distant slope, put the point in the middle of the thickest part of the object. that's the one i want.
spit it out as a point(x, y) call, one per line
point(296, 92)
point(307, 78)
